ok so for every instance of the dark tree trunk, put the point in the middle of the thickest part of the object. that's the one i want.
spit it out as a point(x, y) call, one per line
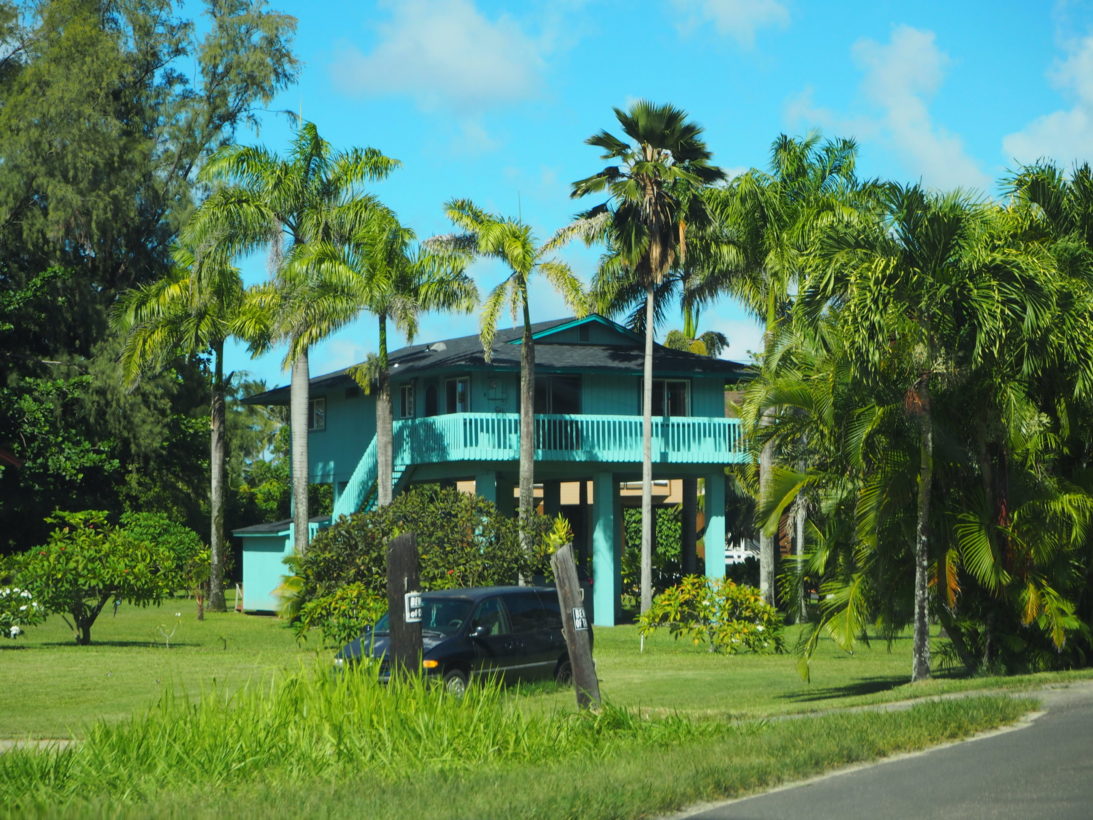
point(921, 648)
point(767, 556)
point(216, 488)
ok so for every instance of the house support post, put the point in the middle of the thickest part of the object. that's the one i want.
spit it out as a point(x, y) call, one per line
point(486, 486)
point(689, 526)
point(552, 498)
point(605, 567)
point(715, 524)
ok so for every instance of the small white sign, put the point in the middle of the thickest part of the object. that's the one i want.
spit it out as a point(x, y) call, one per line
point(412, 601)
point(580, 620)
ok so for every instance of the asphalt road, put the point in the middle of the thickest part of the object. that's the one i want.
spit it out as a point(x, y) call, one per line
point(1043, 769)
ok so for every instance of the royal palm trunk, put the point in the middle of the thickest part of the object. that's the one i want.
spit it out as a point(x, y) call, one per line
point(527, 429)
point(384, 426)
point(298, 397)
point(216, 487)
point(647, 458)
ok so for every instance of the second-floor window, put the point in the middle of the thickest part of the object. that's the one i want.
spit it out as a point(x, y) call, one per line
point(406, 401)
point(316, 414)
point(557, 394)
point(457, 395)
point(671, 397)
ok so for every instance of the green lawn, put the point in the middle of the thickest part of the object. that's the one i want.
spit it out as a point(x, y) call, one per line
point(54, 688)
point(681, 726)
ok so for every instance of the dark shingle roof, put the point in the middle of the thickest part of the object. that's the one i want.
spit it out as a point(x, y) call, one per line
point(465, 353)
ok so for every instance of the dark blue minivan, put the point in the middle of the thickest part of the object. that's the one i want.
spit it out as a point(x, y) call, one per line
point(513, 633)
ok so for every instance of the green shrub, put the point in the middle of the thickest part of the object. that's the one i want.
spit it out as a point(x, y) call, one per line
point(187, 551)
point(726, 616)
point(463, 541)
point(667, 550)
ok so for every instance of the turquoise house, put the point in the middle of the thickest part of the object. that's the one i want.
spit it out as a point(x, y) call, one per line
point(457, 421)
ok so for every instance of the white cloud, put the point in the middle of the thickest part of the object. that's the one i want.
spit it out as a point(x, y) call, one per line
point(739, 19)
point(899, 78)
point(1065, 135)
point(445, 54)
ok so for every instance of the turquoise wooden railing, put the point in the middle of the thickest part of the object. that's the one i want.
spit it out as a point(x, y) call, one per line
point(496, 437)
point(360, 484)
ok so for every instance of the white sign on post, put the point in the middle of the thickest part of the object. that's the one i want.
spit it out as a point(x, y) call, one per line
point(412, 601)
point(580, 621)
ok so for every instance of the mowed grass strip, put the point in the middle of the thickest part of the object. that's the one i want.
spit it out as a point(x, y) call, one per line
point(326, 745)
point(55, 689)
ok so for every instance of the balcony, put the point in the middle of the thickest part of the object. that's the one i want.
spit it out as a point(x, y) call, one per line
point(579, 438)
point(496, 437)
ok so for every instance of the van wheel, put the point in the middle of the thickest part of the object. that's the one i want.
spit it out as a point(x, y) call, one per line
point(455, 683)
point(563, 672)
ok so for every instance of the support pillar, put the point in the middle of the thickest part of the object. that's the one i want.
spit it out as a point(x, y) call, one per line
point(715, 524)
point(689, 526)
point(552, 498)
point(485, 486)
point(605, 566)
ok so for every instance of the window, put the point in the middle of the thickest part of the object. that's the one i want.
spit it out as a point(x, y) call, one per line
point(457, 395)
point(491, 615)
point(406, 401)
point(671, 397)
point(557, 394)
point(316, 414)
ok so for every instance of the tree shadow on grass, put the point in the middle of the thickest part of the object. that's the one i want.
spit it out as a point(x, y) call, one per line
point(864, 686)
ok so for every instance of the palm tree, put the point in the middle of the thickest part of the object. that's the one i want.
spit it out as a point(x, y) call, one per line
point(393, 280)
point(264, 200)
point(931, 299)
point(192, 310)
point(653, 187)
point(757, 243)
point(514, 243)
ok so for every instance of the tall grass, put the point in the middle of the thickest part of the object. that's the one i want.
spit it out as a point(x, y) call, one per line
point(313, 725)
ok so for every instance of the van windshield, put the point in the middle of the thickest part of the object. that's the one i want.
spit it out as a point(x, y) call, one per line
point(441, 615)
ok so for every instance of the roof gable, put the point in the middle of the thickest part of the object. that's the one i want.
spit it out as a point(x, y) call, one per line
point(591, 329)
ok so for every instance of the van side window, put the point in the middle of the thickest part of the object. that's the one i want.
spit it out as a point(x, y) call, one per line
point(527, 612)
point(552, 611)
point(491, 614)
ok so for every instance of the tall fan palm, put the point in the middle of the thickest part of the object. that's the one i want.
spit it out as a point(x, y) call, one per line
point(264, 200)
point(512, 242)
point(653, 189)
point(394, 280)
point(191, 311)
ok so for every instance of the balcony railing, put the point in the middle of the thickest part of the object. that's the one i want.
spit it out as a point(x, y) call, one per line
point(496, 437)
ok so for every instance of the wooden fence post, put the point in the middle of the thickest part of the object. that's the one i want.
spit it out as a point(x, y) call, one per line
point(575, 628)
point(402, 578)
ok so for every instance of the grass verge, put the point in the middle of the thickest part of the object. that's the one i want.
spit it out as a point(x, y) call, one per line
point(337, 745)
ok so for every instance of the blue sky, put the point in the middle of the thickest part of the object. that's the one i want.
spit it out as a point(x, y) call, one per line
point(492, 101)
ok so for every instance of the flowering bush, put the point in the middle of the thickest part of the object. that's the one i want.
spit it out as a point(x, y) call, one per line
point(729, 617)
point(18, 609)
